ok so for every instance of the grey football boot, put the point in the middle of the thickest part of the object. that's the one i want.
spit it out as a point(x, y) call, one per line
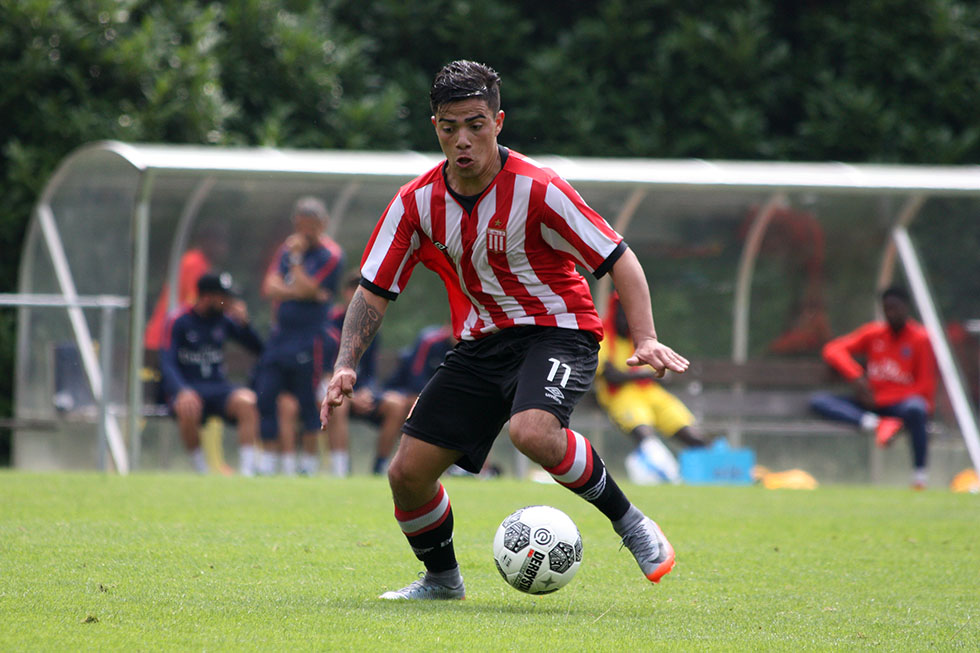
point(425, 588)
point(651, 549)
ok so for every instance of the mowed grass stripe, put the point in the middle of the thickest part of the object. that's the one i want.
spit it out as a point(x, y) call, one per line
point(171, 562)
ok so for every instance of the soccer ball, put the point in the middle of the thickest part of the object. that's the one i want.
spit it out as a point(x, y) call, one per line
point(537, 549)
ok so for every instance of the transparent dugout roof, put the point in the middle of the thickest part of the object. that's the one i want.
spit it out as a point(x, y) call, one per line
point(115, 219)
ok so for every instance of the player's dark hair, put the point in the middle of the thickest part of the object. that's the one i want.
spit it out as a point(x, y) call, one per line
point(310, 206)
point(461, 80)
point(897, 292)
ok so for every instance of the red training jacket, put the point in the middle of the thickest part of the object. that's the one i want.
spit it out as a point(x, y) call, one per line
point(898, 365)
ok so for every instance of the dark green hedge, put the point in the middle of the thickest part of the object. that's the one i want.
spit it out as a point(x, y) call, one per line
point(877, 80)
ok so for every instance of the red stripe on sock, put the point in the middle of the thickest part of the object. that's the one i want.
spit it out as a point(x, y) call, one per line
point(566, 462)
point(587, 474)
point(433, 525)
point(408, 515)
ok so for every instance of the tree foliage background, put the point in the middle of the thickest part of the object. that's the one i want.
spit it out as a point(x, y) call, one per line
point(878, 80)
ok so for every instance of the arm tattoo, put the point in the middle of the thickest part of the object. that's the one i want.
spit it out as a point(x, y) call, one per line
point(360, 326)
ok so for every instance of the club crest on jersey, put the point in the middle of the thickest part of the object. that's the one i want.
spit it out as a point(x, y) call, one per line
point(496, 240)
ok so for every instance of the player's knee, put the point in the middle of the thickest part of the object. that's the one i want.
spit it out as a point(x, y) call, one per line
point(521, 435)
point(916, 407)
point(245, 398)
point(400, 476)
point(531, 431)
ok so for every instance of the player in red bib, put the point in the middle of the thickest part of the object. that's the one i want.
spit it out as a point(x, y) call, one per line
point(505, 235)
point(896, 384)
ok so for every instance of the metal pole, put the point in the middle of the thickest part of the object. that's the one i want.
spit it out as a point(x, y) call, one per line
point(743, 300)
point(83, 338)
point(944, 357)
point(137, 314)
point(105, 359)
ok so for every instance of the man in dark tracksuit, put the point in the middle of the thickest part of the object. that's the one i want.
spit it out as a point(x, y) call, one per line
point(193, 371)
point(303, 280)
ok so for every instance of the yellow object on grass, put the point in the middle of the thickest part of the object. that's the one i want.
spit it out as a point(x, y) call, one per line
point(791, 479)
point(966, 481)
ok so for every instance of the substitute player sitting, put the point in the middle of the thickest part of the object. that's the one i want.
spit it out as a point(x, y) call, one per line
point(639, 406)
point(505, 235)
point(193, 370)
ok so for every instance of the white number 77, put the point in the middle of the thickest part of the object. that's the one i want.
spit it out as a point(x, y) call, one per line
point(555, 364)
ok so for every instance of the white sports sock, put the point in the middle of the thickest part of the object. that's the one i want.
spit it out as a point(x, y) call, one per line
point(309, 464)
point(289, 464)
point(869, 421)
point(920, 476)
point(340, 463)
point(199, 462)
point(268, 463)
point(246, 460)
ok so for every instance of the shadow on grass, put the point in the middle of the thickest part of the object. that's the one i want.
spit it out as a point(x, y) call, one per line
point(527, 606)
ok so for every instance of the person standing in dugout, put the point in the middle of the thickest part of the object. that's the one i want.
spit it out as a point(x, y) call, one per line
point(505, 235)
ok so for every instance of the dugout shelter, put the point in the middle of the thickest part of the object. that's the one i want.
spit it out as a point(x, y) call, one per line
point(735, 252)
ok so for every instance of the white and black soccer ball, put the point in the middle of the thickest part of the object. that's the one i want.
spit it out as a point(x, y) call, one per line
point(537, 549)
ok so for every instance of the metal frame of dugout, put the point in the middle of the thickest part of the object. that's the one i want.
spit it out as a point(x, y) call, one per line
point(123, 185)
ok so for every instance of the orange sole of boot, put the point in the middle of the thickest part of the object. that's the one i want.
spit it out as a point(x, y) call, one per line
point(664, 567)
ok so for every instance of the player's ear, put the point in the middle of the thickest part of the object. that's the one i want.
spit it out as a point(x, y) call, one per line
point(499, 121)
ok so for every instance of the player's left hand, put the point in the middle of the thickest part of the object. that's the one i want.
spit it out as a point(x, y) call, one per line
point(659, 356)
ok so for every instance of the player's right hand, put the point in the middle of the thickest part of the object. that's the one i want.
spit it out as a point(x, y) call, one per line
point(341, 385)
point(296, 244)
point(862, 391)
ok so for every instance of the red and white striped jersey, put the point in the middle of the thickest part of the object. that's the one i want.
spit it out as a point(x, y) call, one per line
point(511, 261)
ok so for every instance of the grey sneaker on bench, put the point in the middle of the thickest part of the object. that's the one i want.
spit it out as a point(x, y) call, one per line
point(651, 549)
point(425, 589)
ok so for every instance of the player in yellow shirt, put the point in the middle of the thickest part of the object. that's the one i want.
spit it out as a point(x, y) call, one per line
point(640, 406)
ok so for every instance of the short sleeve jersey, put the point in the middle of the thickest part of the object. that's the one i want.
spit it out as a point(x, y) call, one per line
point(325, 265)
point(510, 261)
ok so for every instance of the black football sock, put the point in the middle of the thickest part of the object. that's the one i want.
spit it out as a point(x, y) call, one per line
point(583, 472)
point(429, 531)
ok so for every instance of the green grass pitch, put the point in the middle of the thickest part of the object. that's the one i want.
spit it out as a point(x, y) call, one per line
point(182, 563)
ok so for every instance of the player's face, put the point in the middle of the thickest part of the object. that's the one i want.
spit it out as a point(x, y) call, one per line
point(896, 312)
point(467, 132)
point(212, 304)
point(308, 227)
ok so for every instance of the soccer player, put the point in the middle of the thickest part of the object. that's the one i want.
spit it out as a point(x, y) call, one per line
point(896, 385)
point(505, 236)
point(639, 406)
point(193, 370)
point(209, 248)
point(303, 283)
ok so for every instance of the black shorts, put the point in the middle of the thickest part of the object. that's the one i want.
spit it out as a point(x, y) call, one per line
point(214, 397)
point(483, 382)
